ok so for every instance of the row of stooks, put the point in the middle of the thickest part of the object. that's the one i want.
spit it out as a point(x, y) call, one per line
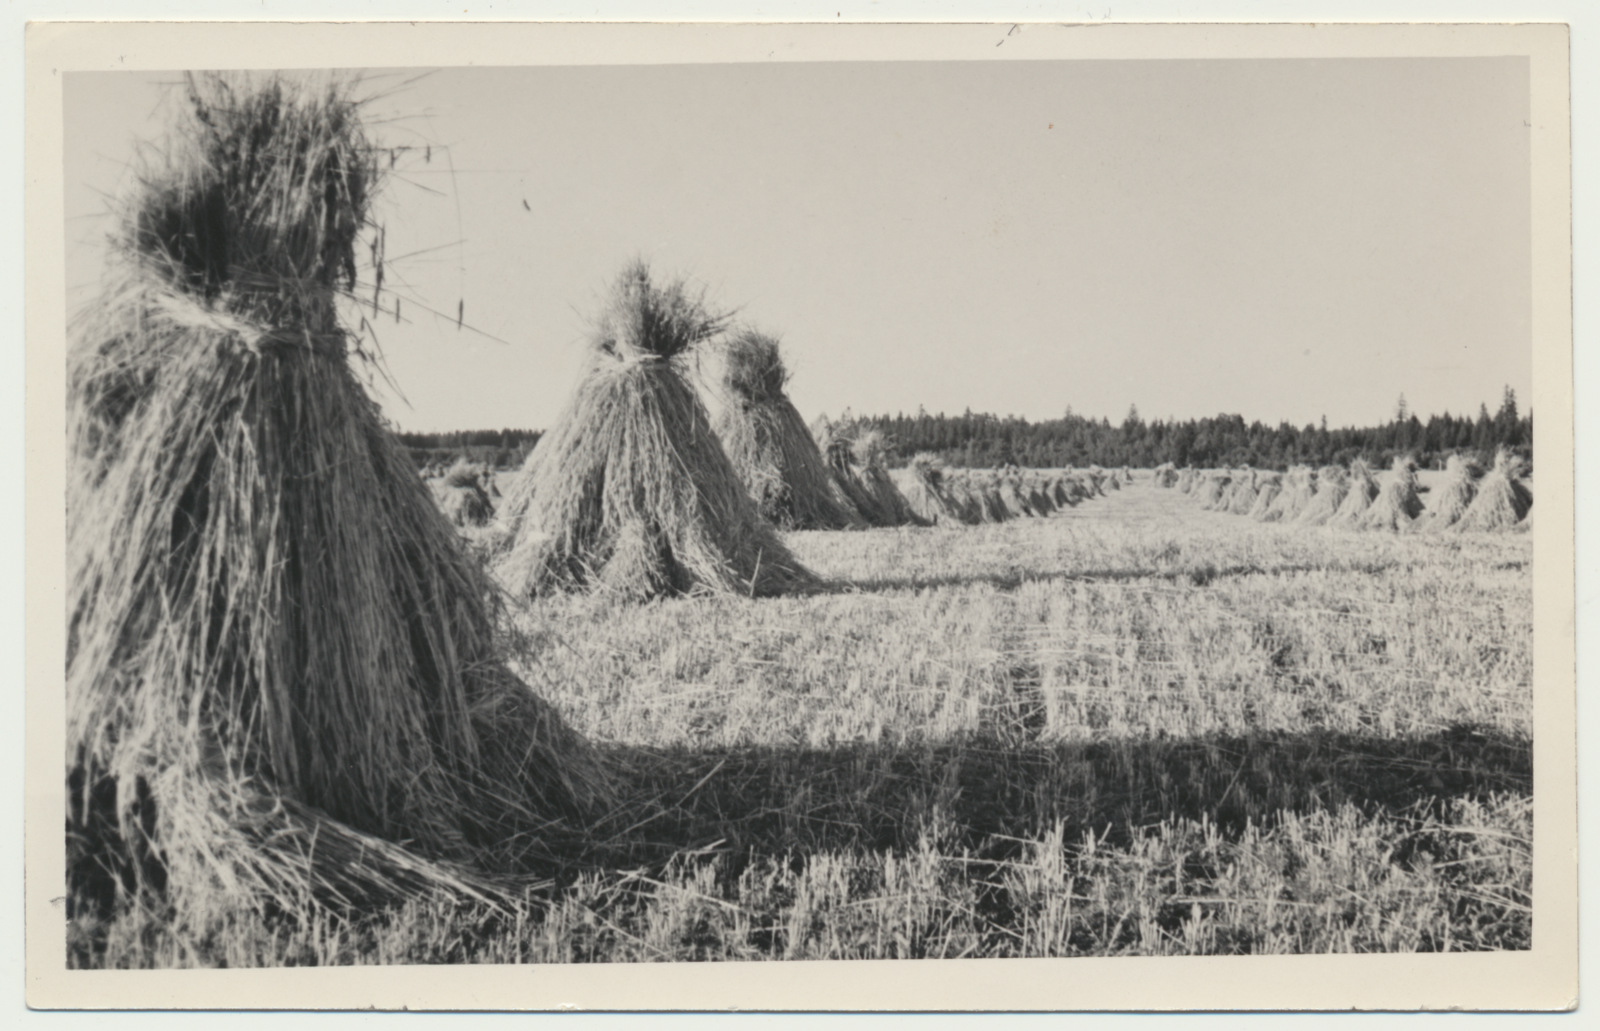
point(973, 496)
point(865, 488)
point(1467, 499)
point(636, 492)
point(286, 678)
point(834, 476)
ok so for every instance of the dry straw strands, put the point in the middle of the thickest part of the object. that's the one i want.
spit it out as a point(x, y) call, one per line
point(1398, 503)
point(1039, 498)
point(1503, 501)
point(983, 493)
point(1361, 491)
point(1268, 487)
point(1230, 481)
point(1298, 490)
point(993, 508)
point(1332, 485)
point(1212, 490)
point(1452, 497)
point(834, 444)
point(869, 451)
point(770, 445)
point(822, 430)
point(856, 458)
point(927, 494)
point(1011, 496)
point(965, 495)
point(1242, 494)
point(462, 497)
point(630, 490)
point(280, 658)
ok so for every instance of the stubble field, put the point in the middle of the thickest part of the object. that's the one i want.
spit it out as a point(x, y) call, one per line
point(1132, 727)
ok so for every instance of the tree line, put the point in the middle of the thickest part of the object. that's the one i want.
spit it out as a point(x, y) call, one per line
point(983, 440)
point(500, 448)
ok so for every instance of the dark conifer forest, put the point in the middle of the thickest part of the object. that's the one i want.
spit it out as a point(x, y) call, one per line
point(980, 439)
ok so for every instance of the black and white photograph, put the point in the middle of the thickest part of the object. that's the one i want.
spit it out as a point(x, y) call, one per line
point(827, 504)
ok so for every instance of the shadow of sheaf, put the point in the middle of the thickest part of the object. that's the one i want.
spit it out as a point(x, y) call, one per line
point(1198, 576)
point(987, 791)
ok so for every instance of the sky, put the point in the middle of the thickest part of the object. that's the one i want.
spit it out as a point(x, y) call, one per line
point(1282, 239)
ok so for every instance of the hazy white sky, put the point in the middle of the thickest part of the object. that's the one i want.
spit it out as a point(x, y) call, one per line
point(1282, 239)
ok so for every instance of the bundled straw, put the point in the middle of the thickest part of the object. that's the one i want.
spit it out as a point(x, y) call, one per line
point(1231, 482)
point(1398, 504)
point(1039, 498)
point(1503, 500)
point(856, 459)
point(1331, 487)
point(1268, 487)
point(1362, 490)
point(462, 497)
point(1186, 479)
point(1011, 496)
point(869, 451)
point(280, 659)
point(965, 495)
point(980, 497)
point(834, 444)
point(822, 430)
point(631, 491)
point(928, 495)
point(1298, 490)
point(996, 508)
point(1453, 495)
point(1212, 490)
point(770, 445)
point(1242, 495)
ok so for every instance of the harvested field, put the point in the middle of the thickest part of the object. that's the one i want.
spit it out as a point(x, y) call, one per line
point(1130, 727)
point(454, 576)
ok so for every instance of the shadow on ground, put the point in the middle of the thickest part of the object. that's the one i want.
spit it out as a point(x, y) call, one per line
point(1199, 576)
point(986, 791)
point(980, 801)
